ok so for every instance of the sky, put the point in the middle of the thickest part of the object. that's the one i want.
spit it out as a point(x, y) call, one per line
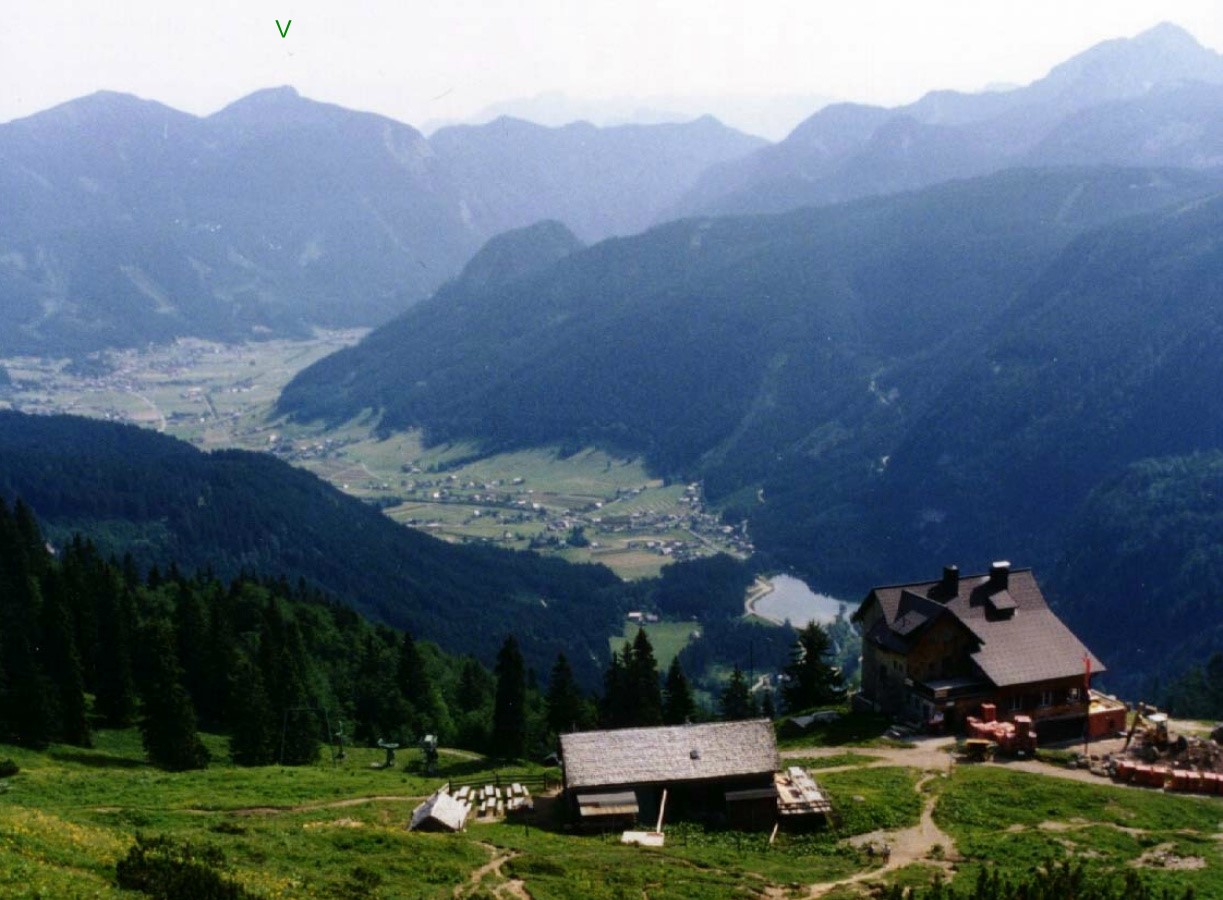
point(420, 62)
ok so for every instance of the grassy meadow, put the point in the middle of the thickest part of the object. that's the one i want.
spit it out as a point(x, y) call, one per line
point(667, 639)
point(339, 830)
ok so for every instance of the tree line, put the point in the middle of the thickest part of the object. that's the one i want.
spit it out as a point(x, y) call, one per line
point(88, 641)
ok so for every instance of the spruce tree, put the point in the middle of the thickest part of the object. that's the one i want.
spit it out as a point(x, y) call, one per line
point(381, 710)
point(428, 711)
point(473, 704)
point(810, 681)
point(28, 702)
point(678, 705)
point(63, 665)
point(476, 686)
point(167, 724)
point(615, 705)
point(253, 737)
point(736, 701)
point(115, 692)
point(565, 705)
point(282, 663)
point(192, 630)
point(509, 705)
point(644, 687)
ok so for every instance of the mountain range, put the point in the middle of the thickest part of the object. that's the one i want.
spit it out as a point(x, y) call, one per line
point(1148, 100)
point(128, 222)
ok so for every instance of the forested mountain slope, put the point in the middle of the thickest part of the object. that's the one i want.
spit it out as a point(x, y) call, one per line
point(132, 490)
point(716, 344)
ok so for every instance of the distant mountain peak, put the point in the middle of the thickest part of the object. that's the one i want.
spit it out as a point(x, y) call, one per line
point(100, 107)
point(1168, 33)
point(1128, 67)
point(282, 94)
point(280, 107)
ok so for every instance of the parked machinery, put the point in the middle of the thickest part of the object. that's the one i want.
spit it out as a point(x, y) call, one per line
point(1014, 738)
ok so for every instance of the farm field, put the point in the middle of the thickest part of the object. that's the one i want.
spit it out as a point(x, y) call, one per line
point(69, 815)
point(221, 396)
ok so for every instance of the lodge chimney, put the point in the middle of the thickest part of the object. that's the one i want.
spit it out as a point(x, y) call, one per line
point(951, 580)
point(999, 575)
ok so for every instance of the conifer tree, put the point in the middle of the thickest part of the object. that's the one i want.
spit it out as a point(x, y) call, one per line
point(167, 724)
point(381, 710)
point(644, 687)
point(509, 706)
point(678, 705)
point(282, 664)
point(427, 709)
point(63, 665)
point(29, 708)
point(615, 708)
point(566, 708)
point(115, 692)
point(253, 737)
point(810, 681)
point(736, 701)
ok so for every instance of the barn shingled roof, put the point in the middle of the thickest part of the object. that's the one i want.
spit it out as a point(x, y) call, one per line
point(673, 753)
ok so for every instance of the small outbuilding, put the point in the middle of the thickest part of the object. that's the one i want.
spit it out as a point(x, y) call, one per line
point(441, 812)
point(719, 771)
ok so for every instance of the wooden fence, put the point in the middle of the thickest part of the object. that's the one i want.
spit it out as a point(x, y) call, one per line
point(534, 783)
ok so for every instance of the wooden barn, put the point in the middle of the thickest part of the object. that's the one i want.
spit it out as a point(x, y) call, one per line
point(720, 772)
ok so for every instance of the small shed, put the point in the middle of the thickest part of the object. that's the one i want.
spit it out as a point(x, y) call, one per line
point(719, 771)
point(440, 812)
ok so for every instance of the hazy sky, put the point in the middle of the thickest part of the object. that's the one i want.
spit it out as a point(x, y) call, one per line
point(418, 61)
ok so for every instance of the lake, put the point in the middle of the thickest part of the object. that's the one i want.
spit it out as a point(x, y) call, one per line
point(792, 599)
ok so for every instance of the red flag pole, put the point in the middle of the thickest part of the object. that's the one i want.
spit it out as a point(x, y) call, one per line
point(1087, 698)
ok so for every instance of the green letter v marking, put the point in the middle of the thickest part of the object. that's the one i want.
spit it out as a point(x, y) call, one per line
point(283, 31)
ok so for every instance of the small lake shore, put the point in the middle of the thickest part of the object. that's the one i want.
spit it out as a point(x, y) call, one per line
point(784, 598)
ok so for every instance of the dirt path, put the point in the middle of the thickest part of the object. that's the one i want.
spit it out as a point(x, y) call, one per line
point(461, 754)
point(909, 845)
point(505, 887)
point(312, 807)
point(925, 754)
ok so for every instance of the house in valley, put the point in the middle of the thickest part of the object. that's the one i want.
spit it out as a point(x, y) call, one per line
point(934, 651)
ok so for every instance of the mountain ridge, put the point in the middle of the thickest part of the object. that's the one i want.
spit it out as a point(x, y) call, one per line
point(128, 221)
point(986, 131)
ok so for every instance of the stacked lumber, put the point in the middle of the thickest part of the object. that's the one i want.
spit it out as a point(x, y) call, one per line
point(799, 795)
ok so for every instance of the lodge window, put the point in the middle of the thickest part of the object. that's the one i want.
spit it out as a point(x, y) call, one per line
point(1072, 695)
point(1046, 698)
point(1016, 703)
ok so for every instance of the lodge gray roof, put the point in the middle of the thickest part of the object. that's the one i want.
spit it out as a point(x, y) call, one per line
point(1020, 640)
point(674, 753)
